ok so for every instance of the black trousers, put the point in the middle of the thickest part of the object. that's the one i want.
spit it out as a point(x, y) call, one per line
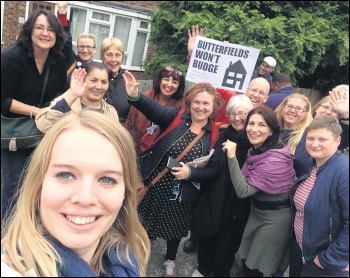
point(217, 254)
point(172, 246)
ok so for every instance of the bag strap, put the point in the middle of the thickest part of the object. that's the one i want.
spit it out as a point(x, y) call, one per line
point(72, 66)
point(181, 155)
point(44, 87)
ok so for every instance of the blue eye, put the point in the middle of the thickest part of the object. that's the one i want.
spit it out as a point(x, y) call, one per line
point(64, 175)
point(108, 180)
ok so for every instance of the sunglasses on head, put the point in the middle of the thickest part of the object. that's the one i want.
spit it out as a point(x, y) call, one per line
point(175, 70)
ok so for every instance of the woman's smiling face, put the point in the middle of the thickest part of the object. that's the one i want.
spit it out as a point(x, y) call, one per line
point(83, 189)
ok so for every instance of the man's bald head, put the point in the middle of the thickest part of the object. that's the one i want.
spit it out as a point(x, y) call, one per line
point(258, 91)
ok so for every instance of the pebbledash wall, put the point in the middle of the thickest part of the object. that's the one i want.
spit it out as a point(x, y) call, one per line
point(14, 13)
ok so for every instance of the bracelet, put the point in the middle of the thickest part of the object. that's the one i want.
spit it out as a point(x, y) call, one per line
point(31, 112)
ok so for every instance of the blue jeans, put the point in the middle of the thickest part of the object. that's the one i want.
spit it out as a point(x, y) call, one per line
point(12, 164)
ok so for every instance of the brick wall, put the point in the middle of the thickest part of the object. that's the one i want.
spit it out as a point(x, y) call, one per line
point(11, 28)
point(144, 4)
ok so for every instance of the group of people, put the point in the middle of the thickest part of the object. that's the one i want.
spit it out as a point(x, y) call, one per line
point(274, 186)
point(69, 204)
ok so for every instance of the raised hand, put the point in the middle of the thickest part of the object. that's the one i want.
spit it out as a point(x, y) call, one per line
point(132, 87)
point(340, 100)
point(192, 34)
point(62, 6)
point(77, 82)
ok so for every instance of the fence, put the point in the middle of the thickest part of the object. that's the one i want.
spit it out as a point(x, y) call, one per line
point(313, 94)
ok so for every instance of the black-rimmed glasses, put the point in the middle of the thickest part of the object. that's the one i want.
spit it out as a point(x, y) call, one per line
point(88, 47)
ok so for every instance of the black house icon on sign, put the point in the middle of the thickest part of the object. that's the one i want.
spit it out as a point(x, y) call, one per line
point(235, 75)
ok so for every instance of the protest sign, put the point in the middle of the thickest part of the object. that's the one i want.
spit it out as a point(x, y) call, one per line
point(223, 64)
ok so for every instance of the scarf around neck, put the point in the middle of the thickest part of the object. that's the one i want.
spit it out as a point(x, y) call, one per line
point(272, 171)
point(74, 266)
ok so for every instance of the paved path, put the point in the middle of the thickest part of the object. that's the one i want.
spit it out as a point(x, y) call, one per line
point(186, 262)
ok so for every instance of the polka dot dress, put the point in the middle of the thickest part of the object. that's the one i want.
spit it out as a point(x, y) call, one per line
point(161, 216)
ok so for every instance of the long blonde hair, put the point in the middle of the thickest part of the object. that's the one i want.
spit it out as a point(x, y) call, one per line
point(298, 131)
point(23, 233)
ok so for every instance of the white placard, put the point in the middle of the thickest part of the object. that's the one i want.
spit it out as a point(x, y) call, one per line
point(223, 64)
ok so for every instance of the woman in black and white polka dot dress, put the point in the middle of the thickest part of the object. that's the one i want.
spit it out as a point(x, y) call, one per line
point(174, 223)
point(163, 211)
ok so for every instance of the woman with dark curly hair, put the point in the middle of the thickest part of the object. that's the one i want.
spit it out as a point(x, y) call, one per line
point(25, 65)
point(168, 89)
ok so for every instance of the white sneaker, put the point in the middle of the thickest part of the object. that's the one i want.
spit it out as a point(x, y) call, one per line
point(169, 268)
point(196, 273)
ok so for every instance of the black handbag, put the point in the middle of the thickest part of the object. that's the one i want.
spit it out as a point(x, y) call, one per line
point(21, 133)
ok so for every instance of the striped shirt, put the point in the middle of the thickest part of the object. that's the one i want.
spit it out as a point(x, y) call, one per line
point(300, 197)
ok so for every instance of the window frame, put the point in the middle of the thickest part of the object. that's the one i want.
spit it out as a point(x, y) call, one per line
point(136, 19)
point(46, 4)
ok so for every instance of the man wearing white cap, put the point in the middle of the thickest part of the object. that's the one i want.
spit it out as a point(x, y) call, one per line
point(265, 69)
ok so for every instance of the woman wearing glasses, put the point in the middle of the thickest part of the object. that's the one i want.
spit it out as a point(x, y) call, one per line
point(266, 175)
point(24, 67)
point(86, 44)
point(294, 115)
point(111, 53)
point(220, 216)
point(168, 90)
point(164, 211)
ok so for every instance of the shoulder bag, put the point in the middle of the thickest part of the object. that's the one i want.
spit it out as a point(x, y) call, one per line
point(21, 133)
point(142, 189)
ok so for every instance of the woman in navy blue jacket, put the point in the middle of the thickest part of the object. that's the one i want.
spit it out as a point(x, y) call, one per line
point(320, 206)
point(164, 212)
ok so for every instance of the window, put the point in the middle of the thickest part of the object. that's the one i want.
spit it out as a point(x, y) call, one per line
point(41, 5)
point(131, 28)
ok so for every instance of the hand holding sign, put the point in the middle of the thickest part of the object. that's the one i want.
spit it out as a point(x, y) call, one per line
point(223, 64)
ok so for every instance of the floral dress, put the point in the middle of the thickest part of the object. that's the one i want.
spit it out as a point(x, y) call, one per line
point(161, 212)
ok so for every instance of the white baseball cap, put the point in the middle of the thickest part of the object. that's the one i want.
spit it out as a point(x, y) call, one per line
point(271, 61)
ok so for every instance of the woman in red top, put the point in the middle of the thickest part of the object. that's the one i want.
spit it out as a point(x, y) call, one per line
point(168, 90)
